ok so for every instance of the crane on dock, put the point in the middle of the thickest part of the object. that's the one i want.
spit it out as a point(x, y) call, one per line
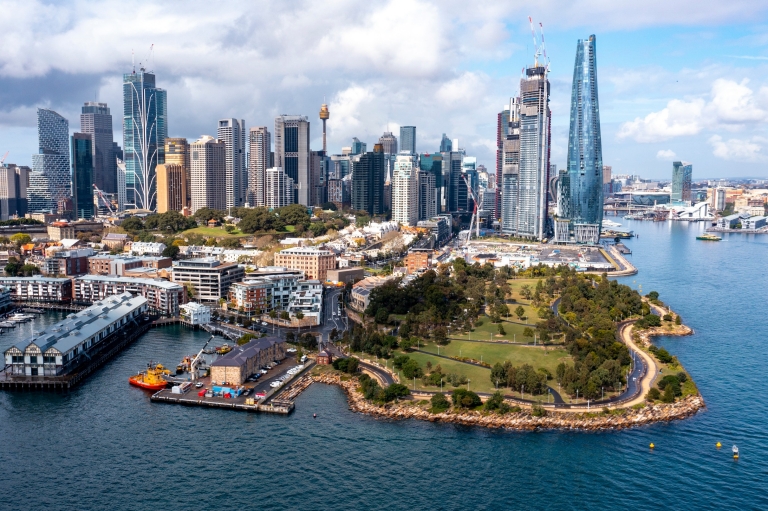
point(196, 360)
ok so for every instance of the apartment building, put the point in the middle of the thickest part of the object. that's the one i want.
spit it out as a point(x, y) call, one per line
point(313, 262)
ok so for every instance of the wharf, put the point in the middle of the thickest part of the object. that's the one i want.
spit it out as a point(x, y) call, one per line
point(111, 347)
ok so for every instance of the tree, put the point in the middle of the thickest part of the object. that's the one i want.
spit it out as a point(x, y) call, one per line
point(669, 395)
point(132, 224)
point(525, 290)
point(439, 403)
point(290, 337)
point(528, 332)
point(229, 228)
point(678, 321)
point(21, 238)
point(299, 315)
point(653, 394)
point(191, 291)
point(285, 315)
point(334, 334)
point(520, 312)
point(273, 314)
point(411, 369)
point(171, 251)
point(382, 315)
point(501, 330)
point(328, 206)
point(495, 402)
point(404, 330)
point(465, 398)
point(653, 295)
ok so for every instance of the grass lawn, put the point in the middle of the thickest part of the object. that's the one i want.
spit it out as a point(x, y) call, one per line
point(218, 232)
point(480, 377)
point(492, 353)
point(490, 331)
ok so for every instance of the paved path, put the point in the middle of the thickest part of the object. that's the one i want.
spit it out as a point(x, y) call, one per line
point(651, 368)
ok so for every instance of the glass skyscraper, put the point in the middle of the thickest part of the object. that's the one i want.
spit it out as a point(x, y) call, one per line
point(144, 131)
point(82, 175)
point(408, 139)
point(49, 181)
point(581, 186)
point(682, 174)
point(96, 120)
point(292, 153)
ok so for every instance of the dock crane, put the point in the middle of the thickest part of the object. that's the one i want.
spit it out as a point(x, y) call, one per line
point(196, 360)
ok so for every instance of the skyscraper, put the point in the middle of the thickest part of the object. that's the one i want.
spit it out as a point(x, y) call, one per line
point(446, 145)
point(510, 171)
point(682, 173)
point(96, 120)
point(82, 175)
point(279, 188)
point(433, 163)
point(408, 139)
point(144, 131)
point(582, 184)
point(208, 166)
point(368, 175)
point(13, 190)
point(171, 187)
point(292, 153)
point(502, 131)
point(389, 142)
point(177, 153)
point(535, 125)
point(427, 195)
point(405, 190)
point(258, 163)
point(232, 133)
point(318, 172)
point(50, 179)
point(358, 147)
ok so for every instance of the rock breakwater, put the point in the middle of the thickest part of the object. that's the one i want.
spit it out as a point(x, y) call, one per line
point(555, 419)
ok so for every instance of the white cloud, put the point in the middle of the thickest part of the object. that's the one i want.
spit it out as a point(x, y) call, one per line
point(666, 155)
point(461, 91)
point(731, 106)
point(737, 149)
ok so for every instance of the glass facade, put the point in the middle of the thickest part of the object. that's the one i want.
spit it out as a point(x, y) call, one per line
point(582, 202)
point(408, 139)
point(368, 173)
point(144, 132)
point(82, 175)
point(96, 120)
point(50, 181)
point(682, 174)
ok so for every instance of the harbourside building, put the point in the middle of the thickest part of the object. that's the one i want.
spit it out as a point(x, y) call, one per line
point(162, 297)
point(122, 265)
point(39, 289)
point(209, 278)
point(195, 314)
point(61, 348)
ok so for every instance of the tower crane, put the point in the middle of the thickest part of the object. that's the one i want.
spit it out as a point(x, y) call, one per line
point(196, 360)
point(104, 200)
point(2, 161)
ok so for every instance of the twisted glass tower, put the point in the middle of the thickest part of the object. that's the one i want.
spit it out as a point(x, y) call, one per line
point(49, 181)
point(581, 188)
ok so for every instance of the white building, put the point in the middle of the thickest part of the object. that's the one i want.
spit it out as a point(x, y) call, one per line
point(61, 348)
point(258, 163)
point(232, 133)
point(147, 248)
point(278, 189)
point(195, 314)
point(162, 296)
point(405, 190)
point(208, 173)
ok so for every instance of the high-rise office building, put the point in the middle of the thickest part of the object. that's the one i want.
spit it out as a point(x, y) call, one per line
point(581, 186)
point(509, 185)
point(279, 188)
point(456, 188)
point(408, 139)
point(171, 187)
point(318, 172)
point(292, 153)
point(208, 172)
point(340, 166)
point(145, 129)
point(446, 146)
point(427, 195)
point(177, 153)
point(50, 179)
point(535, 125)
point(405, 189)
point(232, 133)
point(389, 142)
point(502, 131)
point(358, 147)
point(682, 174)
point(258, 162)
point(82, 175)
point(96, 120)
point(368, 177)
point(14, 181)
point(433, 163)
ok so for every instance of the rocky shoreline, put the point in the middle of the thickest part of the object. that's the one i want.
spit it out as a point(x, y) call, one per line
point(524, 421)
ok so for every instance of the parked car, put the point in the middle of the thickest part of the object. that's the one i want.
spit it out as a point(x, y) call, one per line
point(198, 385)
point(263, 323)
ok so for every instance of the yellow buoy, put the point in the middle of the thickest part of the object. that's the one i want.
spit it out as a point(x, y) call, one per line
point(718, 445)
point(652, 446)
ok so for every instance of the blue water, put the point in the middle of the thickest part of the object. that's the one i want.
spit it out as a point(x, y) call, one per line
point(105, 446)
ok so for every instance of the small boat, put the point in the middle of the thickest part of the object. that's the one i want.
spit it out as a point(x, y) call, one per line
point(735, 452)
point(152, 378)
point(223, 349)
point(709, 237)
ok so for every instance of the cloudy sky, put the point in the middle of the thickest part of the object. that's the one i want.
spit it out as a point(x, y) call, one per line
point(677, 79)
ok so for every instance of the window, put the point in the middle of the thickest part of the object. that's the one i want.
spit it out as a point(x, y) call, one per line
point(33, 359)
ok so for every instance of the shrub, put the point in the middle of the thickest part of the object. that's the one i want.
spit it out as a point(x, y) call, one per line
point(538, 411)
point(670, 381)
point(667, 317)
point(394, 391)
point(663, 356)
point(465, 398)
point(669, 395)
point(439, 403)
point(682, 377)
point(411, 369)
point(678, 321)
point(495, 401)
point(653, 394)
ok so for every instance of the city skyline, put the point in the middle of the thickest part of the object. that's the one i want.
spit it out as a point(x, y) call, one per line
point(658, 106)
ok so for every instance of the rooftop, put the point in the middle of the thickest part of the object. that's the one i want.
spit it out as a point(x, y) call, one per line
point(131, 280)
point(240, 355)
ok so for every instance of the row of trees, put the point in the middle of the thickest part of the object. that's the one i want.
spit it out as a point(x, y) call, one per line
point(521, 379)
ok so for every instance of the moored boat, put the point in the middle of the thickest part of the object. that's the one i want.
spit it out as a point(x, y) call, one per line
point(152, 378)
point(223, 349)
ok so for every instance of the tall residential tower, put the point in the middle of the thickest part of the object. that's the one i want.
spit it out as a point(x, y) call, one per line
point(49, 181)
point(292, 153)
point(232, 133)
point(258, 163)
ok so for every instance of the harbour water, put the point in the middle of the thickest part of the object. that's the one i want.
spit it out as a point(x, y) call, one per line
point(105, 446)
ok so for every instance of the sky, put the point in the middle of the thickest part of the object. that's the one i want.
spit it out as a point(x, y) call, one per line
point(678, 80)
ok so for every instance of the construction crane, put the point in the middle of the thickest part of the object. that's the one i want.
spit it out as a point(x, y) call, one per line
point(104, 200)
point(2, 161)
point(475, 219)
point(196, 360)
